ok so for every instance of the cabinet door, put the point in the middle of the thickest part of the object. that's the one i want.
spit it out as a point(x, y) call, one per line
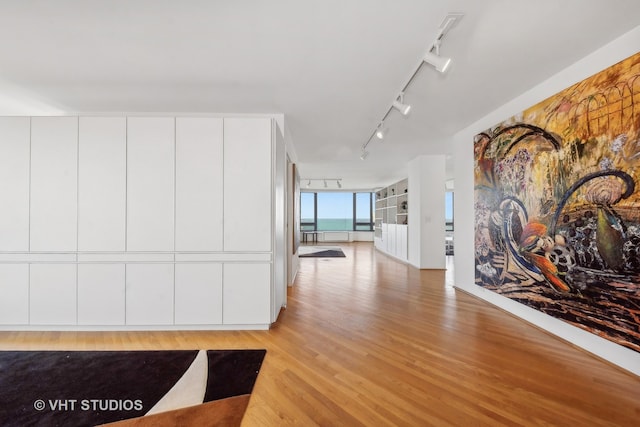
point(384, 238)
point(198, 184)
point(102, 178)
point(101, 295)
point(198, 294)
point(54, 184)
point(14, 294)
point(246, 294)
point(15, 134)
point(53, 294)
point(150, 183)
point(391, 248)
point(247, 184)
point(149, 294)
point(402, 234)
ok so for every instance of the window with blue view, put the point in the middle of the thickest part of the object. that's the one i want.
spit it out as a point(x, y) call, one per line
point(336, 211)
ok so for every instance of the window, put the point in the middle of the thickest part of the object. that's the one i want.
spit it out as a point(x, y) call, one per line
point(308, 211)
point(336, 211)
point(363, 211)
point(448, 210)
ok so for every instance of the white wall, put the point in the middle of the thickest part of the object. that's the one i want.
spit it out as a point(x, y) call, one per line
point(293, 261)
point(608, 55)
point(280, 252)
point(427, 212)
point(345, 236)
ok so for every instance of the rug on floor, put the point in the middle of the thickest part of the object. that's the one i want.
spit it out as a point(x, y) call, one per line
point(127, 388)
point(320, 252)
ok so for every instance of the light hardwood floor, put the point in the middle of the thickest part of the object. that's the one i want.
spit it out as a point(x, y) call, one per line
point(366, 340)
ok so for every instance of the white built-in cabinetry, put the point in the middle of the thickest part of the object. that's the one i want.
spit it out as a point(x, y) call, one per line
point(54, 189)
point(391, 220)
point(139, 222)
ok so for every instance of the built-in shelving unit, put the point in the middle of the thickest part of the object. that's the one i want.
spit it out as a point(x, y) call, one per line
point(392, 204)
point(392, 217)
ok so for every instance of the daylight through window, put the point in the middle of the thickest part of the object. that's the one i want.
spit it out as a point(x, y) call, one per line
point(336, 211)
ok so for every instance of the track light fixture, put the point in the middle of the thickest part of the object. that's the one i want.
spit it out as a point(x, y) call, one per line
point(399, 105)
point(381, 131)
point(325, 181)
point(441, 63)
point(433, 58)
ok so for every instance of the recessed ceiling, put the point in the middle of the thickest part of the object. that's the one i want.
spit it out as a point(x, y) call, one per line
point(332, 68)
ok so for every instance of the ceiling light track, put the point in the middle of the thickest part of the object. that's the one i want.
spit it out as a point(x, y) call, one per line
point(433, 58)
point(324, 181)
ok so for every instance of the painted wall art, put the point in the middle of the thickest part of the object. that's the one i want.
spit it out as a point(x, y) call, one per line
point(557, 205)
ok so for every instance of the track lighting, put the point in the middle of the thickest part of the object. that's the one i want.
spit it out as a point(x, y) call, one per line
point(399, 105)
point(325, 181)
point(381, 131)
point(433, 58)
point(441, 63)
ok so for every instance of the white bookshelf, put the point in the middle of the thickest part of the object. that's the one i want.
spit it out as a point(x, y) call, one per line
point(392, 218)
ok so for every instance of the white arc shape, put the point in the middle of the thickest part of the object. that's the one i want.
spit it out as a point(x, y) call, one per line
point(189, 390)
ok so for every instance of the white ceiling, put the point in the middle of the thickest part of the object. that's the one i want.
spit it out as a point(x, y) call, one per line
point(331, 67)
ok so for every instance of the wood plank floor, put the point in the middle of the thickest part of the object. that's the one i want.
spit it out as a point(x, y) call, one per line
point(368, 341)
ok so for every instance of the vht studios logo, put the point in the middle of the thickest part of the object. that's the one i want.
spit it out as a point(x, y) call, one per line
point(88, 405)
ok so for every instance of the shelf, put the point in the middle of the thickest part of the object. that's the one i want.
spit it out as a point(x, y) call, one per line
point(392, 203)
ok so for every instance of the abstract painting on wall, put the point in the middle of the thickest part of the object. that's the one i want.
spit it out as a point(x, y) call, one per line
point(557, 205)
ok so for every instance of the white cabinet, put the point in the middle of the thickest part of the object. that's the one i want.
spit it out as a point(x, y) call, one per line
point(136, 222)
point(53, 294)
point(102, 182)
point(198, 294)
point(150, 183)
point(101, 294)
point(247, 184)
point(14, 294)
point(402, 247)
point(199, 181)
point(149, 294)
point(384, 237)
point(54, 184)
point(246, 289)
point(15, 135)
point(391, 240)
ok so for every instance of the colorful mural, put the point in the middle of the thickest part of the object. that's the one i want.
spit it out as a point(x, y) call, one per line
point(557, 205)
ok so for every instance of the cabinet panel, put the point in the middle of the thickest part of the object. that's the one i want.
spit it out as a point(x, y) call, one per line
point(199, 184)
point(402, 234)
point(198, 294)
point(102, 183)
point(150, 183)
point(149, 294)
point(54, 172)
point(247, 184)
point(101, 296)
point(247, 294)
point(53, 294)
point(392, 240)
point(14, 294)
point(15, 134)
